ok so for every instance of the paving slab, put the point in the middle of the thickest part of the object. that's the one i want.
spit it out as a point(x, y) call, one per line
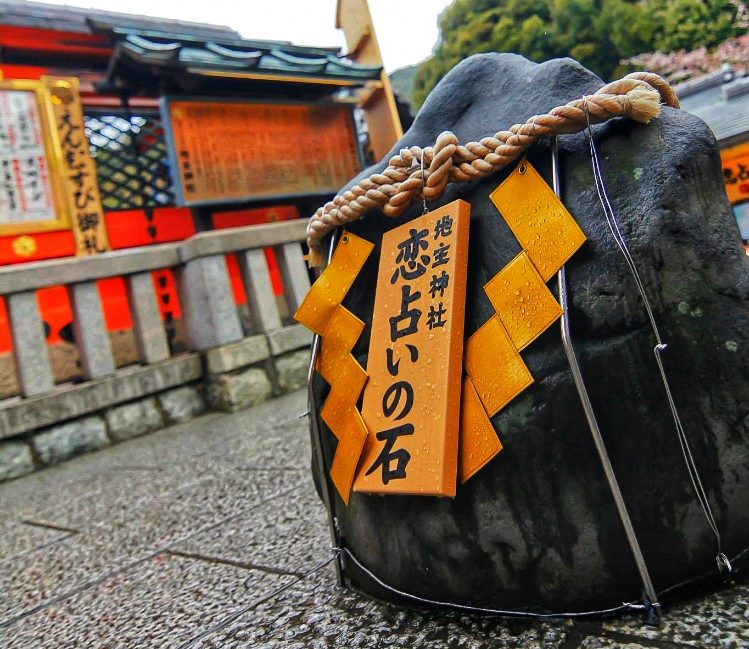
point(268, 436)
point(315, 613)
point(209, 534)
point(288, 534)
point(108, 495)
point(597, 642)
point(42, 488)
point(265, 438)
point(17, 539)
point(720, 619)
point(118, 496)
point(128, 535)
point(159, 603)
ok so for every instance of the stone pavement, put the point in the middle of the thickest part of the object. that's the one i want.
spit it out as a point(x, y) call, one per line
point(209, 534)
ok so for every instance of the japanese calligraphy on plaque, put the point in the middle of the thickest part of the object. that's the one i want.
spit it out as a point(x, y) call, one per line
point(411, 403)
point(47, 177)
point(27, 198)
point(736, 172)
point(25, 188)
point(238, 150)
point(77, 168)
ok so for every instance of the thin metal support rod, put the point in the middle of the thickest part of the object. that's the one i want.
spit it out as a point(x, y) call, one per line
point(317, 443)
point(724, 565)
point(603, 455)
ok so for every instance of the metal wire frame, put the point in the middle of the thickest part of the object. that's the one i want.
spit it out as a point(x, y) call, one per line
point(651, 596)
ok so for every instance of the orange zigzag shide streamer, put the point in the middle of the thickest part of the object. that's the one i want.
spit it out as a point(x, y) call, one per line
point(322, 312)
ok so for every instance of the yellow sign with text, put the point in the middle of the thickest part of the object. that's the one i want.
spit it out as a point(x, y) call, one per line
point(77, 168)
point(47, 177)
point(735, 162)
point(411, 402)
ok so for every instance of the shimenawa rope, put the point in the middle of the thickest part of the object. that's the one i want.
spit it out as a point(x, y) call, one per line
point(636, 96)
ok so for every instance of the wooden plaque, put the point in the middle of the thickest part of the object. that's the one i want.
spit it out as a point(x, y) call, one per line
point(29, 201)
point(47, 177)
point(412, 398)
point(76, 168)
point(736, 175)
point(230, 151)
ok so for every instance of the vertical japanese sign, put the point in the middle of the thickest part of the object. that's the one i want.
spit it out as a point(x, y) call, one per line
point(411, 402)
point(77, 168)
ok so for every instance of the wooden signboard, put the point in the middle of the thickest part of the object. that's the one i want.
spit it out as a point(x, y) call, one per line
point(412, 399)
point(735, 162)
point(76, 167)
point(232, 151)
point(47, 178)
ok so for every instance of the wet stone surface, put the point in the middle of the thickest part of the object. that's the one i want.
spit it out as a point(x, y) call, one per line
point(536, 525)
point(18, 538)
point(292, 370)
point(262, 537)
point(15, 460)
point(721, 620)
point(209, 534)
point(183, 594)
point(313, 613)
point(61, 442)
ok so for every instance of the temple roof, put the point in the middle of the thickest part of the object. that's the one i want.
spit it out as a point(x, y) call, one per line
point(158, 56)
point(721, 100)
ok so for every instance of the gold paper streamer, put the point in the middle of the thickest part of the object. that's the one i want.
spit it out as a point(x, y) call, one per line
point(322, 312)
point(524, 305)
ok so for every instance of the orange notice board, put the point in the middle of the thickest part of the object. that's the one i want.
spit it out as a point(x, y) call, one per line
point(735, 162)
point(232, 151)
point(411, 404)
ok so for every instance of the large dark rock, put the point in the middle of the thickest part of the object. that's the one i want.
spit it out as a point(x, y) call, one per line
point(537, 527)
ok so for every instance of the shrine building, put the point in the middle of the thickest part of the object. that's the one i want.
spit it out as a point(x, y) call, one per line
point(721, 99)
point(120, 132)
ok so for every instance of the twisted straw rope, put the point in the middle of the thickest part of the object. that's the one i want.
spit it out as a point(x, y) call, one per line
point(637, 96)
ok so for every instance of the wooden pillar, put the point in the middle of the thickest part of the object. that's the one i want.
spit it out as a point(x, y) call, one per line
point(378, 104)
point(260, 297)
point(89, 328)
point(150, 336)
point(29, 345)
point(207, 301)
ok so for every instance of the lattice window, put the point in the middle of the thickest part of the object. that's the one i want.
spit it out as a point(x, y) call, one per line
point(131, 159)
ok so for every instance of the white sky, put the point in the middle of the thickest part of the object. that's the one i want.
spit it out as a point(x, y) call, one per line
point(406, 29)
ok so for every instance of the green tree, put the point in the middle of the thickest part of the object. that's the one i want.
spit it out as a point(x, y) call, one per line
point(687, 24)
point(598, 33)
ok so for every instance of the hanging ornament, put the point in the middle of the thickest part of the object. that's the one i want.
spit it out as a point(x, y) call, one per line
point(524, 305)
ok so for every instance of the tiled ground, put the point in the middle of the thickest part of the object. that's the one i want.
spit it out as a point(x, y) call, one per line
point(209, 534)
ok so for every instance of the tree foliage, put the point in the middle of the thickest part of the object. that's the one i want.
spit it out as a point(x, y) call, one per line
point(598, 33)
